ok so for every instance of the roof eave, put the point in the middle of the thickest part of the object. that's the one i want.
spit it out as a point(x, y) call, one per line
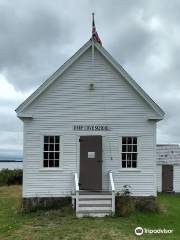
point(155, 118)
point(23, 116)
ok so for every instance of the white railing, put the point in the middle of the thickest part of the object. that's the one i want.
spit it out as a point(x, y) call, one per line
point(112, 189)
point(76, 183)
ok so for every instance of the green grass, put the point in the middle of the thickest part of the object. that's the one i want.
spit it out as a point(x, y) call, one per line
point(63, 224)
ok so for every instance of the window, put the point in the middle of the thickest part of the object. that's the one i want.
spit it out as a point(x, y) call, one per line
point(129, 152)
point(51, 151)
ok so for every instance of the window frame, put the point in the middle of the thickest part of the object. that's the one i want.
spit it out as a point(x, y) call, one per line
point(121, 152)
point(61, 140)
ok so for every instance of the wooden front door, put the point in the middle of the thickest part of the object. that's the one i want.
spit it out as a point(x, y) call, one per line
point(167, 178)
point(91, 163)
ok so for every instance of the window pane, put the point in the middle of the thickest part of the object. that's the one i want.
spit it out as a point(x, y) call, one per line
point(123, 148)
point(129, 140)
point(134, 148)
point(45, 139)
point(134, 156)
point(51, 147)
point(45, 163)
point(57, 139)
point(45, 147)
point(56, 163)
point(51, 139)
point(134, 164)
point(129, 148)
point(56, 147)
point(128, 164)
point(51, 155)
point(123, 140)
point(57, 155)
point(123, 164)
point(123, 156)
point(51, 163)
point(128, 156)
point(45, 155)
point(134, 140)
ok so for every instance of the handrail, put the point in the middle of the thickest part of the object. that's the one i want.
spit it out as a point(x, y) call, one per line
point(76, 190)
point(76, 182)
point(111, 181)
point(112, 187)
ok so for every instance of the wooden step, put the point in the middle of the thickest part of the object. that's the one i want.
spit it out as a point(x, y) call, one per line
point(94, 208)
point(95, 201)
point(85, 196)
point(94, 204)
point(94, 193)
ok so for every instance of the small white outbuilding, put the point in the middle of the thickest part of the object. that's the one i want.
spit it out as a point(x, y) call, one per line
point(168, 168)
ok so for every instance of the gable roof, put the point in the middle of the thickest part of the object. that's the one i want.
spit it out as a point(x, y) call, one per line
point(160, 113)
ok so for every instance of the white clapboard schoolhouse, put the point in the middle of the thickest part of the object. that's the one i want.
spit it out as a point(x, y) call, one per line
point(89, 130)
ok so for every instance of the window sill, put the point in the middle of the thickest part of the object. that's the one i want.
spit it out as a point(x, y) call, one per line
point(130, 170)
point(50, 169)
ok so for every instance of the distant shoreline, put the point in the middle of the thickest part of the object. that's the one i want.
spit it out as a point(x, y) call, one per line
point(11, 161)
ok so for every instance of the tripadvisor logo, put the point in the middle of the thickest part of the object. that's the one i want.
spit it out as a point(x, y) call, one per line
point(138, 231)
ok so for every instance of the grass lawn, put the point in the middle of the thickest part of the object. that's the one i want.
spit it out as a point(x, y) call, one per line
point(54, 225)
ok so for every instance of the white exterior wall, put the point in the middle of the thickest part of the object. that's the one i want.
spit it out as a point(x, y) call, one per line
point(68, 102)
point(159, 178)
point(176, 178)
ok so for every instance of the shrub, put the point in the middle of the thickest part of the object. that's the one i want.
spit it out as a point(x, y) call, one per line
point(147, 204)
point(11, 177)
point(45, 203)
point(124, 202)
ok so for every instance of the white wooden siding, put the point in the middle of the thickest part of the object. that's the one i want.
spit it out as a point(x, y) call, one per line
point(159, 178)
point(67, 102)
point(176, 178)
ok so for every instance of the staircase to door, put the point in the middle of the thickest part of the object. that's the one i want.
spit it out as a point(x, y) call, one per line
point(94, 204)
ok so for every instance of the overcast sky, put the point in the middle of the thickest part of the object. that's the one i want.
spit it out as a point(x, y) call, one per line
point(36, 37)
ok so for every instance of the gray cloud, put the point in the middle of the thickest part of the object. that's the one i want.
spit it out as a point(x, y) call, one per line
point(31, 41)
point(36, 37)
point(9, 124)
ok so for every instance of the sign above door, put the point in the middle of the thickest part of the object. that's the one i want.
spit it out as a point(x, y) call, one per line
point(91, 128)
